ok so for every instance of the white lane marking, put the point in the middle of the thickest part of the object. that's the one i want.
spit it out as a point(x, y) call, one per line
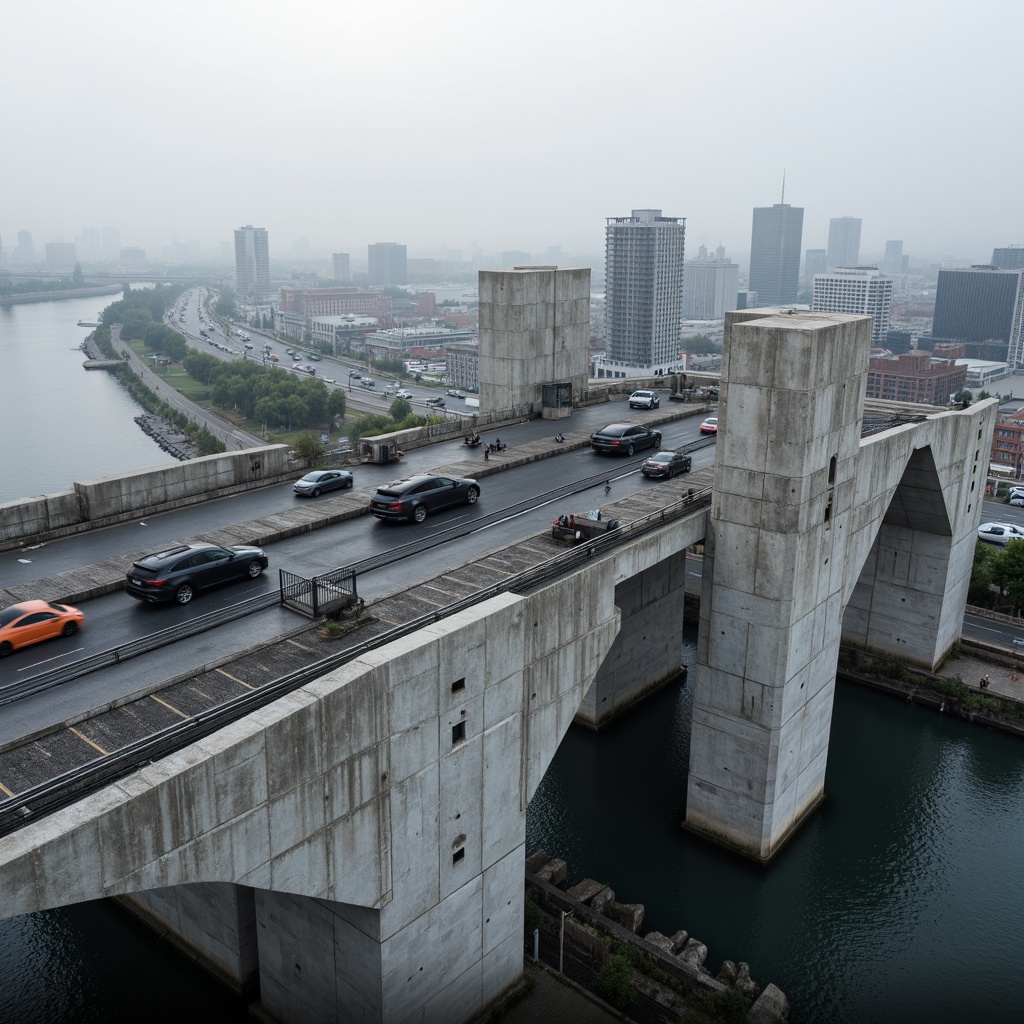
point(56, 657)
point(25, 561)
point(985, 629)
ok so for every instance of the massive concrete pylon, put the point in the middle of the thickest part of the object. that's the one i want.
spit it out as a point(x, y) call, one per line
point(801, 505)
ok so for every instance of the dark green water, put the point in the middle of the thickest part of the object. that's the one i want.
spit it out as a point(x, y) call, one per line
point(902, 900)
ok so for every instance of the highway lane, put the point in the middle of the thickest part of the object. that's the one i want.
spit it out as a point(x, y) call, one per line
point(153, 532)
point(116, 618)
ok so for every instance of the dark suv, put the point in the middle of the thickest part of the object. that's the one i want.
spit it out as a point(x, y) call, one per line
point(624, 439)
point(177, 573)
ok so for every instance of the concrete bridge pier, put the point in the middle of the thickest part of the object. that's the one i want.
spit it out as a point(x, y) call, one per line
point(214, 923)
point(646, 652)
point(815, 533)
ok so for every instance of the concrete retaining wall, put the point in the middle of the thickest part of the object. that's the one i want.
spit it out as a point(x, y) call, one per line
point(112, 499)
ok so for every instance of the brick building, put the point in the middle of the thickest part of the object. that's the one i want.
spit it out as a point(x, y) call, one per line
point(915, 377)
point(1008, 442)
point(317, 302)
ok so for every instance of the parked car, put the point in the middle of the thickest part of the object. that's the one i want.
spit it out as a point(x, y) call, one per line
point(1000, 533)
point(644, 400)
point(30, 622)
point(666, 465)
point(323, 480)
point(419, 496)
point(624, 439)
point(175, 574)
point(710, 425)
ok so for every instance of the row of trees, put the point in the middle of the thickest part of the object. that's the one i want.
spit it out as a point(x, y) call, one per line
point(273, 397)
point(140, 308)
point(997, 579)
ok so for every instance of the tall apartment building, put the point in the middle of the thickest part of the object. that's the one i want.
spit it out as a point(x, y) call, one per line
point(983, 303)
point(1011, 257)
point(252, 262)
point(815, 262)
point(644, 265)
point(843, 242)
point(775, 253)
point(342, 266)
point(892, 261)
point(709, 286)
point(856, 290)
point(388, 264)
point(26, 251)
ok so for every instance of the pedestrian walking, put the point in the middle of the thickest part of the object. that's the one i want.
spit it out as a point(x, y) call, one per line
point(607, 488)
point(984, 682)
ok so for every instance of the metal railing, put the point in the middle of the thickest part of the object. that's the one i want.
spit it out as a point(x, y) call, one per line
point(70, 786)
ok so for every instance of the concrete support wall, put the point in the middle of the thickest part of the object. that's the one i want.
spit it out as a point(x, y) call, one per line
point(534, 330)
point(214, 923)
point(112, 499)
point(803, 508)
point(646, 653)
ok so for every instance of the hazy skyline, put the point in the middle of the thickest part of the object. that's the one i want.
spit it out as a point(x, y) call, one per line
point(463, 124)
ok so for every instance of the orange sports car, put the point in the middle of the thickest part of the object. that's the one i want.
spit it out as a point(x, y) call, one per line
point(31, 621)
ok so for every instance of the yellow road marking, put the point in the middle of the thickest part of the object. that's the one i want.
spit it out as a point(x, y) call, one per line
point(4, 789)
point(82, 736)
point(153, 696)
point(235, 679)
point(301, 647)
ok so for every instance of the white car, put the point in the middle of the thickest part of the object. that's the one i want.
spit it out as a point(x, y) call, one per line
point(1000, 533)
point(644, 400)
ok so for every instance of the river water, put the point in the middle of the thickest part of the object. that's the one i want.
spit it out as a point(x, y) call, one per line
point(901, 900)
point(62, 423)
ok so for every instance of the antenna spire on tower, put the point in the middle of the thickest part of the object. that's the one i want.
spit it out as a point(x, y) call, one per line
point(783, 186)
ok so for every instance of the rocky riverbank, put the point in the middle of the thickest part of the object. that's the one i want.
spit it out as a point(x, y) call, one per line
point(169, 437)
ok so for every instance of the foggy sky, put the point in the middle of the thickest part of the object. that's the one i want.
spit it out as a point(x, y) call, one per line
point(522, 125)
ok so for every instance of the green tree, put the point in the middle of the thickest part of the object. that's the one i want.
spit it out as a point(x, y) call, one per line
point(400, 408)
point(309, 448)
point(963, 397)
point(1008, 573)
point(225, 304)
point(336, 403)
point(983, 576)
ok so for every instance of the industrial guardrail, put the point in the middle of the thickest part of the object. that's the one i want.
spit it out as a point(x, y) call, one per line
point(70, 786)
point(143, 645)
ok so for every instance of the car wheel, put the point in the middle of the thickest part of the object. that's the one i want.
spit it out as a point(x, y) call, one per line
point(184, 594)
point(254, 569)
point(349, 482)
point(657, 441)
point(316, 492)
point(70, 629)
point(5, 649)
point(471, 495)
point(656, 404)
point(419, 513)
point(630, 450)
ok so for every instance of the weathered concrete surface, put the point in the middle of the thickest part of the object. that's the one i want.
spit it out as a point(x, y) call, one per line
point(801, 502)
point(111, 499)
point(380, 808)
point(534, 330)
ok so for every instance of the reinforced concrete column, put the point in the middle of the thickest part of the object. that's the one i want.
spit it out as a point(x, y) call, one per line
point(646, 651)
point(772, 592)
point(212, 922)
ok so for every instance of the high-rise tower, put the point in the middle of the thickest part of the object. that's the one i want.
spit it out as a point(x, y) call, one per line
point(1010, 257)
point(856, 290)
point(709, 286)
point(981, 304)
point(388, 263)
point(843, 242)
point(644, 288)
point(252, 262)
point(775, 253)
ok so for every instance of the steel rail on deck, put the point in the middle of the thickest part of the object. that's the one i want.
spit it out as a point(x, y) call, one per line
point(47, 797)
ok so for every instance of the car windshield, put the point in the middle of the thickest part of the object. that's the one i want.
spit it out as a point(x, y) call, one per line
point(616, 429)
point(662, 457)
point(312, 478)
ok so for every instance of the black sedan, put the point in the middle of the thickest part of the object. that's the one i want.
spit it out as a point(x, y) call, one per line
point(323, 480)
point(419, 496)
point(624, 439)
point(665, 465)
point(175, 574)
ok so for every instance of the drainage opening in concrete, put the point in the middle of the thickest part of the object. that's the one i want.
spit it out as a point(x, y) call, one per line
point(458, 733)
point(459, 684)
point(458, 855)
